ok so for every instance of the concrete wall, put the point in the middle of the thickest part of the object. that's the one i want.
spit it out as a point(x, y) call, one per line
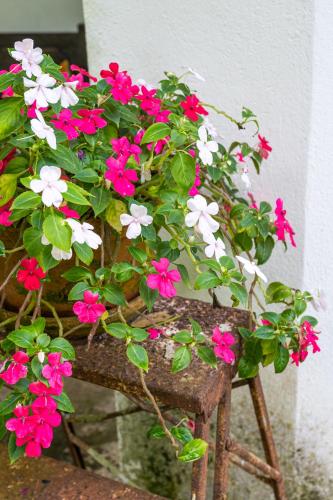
point(275, 58)
point(44, 16)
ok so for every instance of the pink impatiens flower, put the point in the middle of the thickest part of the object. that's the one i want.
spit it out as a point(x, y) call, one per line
point(223, 341)
point(90, 120)
point(162, 116)
point(31, 274)
point(17, 369)
point(44, 393)
point(55, 370)
point(22, 424)
point(307, 337)
point(192, 108)
point(69, 212)
point(281, 223)
point(122, 88)
point(124, 149)
point(264, 147)
point(150, 104)
point(120, 177)
point(154, 333)
point(5, 214)
point(64, 121)
point(89, 310)
point(163, 280)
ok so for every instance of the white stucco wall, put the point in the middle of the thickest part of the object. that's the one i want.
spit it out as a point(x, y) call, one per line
point(275, 58)
point(45, 16)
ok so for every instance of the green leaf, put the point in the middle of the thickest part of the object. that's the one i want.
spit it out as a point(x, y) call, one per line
point(77, 274)
point(62, 345)
point(207, 279)
point(9, 403)
point(36, 367)
point(183, 170)
point(227, 263)
point(148, 295)
point(8, 182)
point(88, 175)
point(84, 253)
point(155, 132)
point(100, 199)
point(183, 337)
point(182, 434)
point(239, 292)
point(281, 360)
point(10, 116)
point(114, 295)
point(184, 274)
point(26, 200)
point(139, 334)
point(207, 355)
point(264, 248)
point(3, 429)
point(138, 356)
point(57, 232)
point(181, 360)
point(75, 194)
point(264, 332)
point(14, 451)
point(113, 212)
point(277, 292)
point(76, 292)
point(17, 165)
point(22, 338)
point(193, 450)
point(272, 317)
point(32, 241)
point(66, 159)
point(117, 330)
point(247, 369)
point(43, 340)
point(6, 80)
point(138, 254)
point(156, 432)
point(64, 403)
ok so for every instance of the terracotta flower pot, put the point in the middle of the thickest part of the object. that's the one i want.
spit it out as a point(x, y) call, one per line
point(56, 288)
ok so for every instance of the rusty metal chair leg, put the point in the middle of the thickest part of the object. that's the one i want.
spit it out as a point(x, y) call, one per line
point(221, 452)
point(74, 450)
point(265, 428)
point(199, 470)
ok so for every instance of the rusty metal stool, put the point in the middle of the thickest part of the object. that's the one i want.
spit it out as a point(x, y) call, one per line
point(198, 390)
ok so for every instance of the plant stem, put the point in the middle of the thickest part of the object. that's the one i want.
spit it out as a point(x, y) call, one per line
point(37, 306)
point(12, 272)
point(22, 309)
point(55, 315)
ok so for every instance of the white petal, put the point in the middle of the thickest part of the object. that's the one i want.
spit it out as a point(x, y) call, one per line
point(261, 274)
point(133, 230)
point(37, 185)
point(138, 210)
point(92, 239)
point(209, 238)
point(192, 218)
point(61, 186)
point(126, 219)
point(213, 208)
point(50, 173)
point(51, 95)
point(198, 202)
point(242, 260)
point(146, 220)
point(202, 132)
point(207, 224)
point(45, 80)
point(41, 101)
point(51, 140)
point(206, 156)
point(51, 196)
point(30, 96)
point(58, 254)
point(29, 83)
point(212, 146)
point(209, 251)
point(44, 240)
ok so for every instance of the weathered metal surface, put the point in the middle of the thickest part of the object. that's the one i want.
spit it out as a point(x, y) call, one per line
point(46, 479)
point(199, 471)
point(197, 389)
point(265, 428)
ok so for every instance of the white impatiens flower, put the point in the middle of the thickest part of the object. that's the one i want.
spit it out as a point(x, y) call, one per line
point(245, 177)
point(40, 91)
point(210, 127)
point(215, 246)
point(50, 185)
point(29, 56)
point(56, 252)
point(139, 217)
point(196, 74)
point(43, 130)
point(65, 94)
point(200, 215)
point(251, 267)
point(84, 233)
point(205, 147)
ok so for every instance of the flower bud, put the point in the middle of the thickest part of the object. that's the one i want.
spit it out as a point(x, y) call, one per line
point(41, 356)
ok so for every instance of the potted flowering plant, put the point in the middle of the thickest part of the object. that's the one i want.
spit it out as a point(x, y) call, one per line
point(104, 184)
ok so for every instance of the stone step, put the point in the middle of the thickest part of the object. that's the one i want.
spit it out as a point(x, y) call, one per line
point(49, 479)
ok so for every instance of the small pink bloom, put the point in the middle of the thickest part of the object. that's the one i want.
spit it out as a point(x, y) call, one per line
point(31, 274)
point(122, 88)
point(31, 110)
point(223, 341)
point(150, 104)
point(192, 108)
point(69, 212)
point(281, 223)
point(162, 116)
point(89, 310)
point(16, 369)
point(125, 149)
point(154, 333)
point(197, 182)
point(90, 120)
point(110, 74)
point(5, 214)
point(263, 147)
point(138, 136)
point(253, 201)
point(22, 424)
point(120, 177)
point(163, 280)
point(159, 146)
point(191, 425)
point(64, 121)
point(55, 370)
point(44, 393)
point(82, 72)
point(240, 157)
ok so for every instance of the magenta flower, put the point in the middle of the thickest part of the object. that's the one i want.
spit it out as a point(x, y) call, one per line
point(22, 425)
point(155, 333)
point(159, 146)
point(281, 223)
point(64, 121)
point(16, 369)
point(163, 280)
point(162, 116)
point(120, 177)
point(69, 212)
point(83, 72)
point(90, 120)
point(125, 149)
point(44, 421)
point(264, 147)
point(89, 310)
point(138, 136)
point(5, 214)
point(122, 88)
point(150, 104)
point(44, 393)
point(55, 370)
point(223, 341)
point(197, 182)
point(192, 108)
point(110, 74)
